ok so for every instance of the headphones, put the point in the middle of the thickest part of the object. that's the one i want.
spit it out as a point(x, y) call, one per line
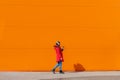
point(58, 42)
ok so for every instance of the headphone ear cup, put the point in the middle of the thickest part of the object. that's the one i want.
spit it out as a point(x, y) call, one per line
point(56, 44)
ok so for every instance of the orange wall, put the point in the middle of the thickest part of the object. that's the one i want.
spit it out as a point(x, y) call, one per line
point(89, 30)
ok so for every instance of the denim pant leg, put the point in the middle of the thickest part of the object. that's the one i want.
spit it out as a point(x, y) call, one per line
point(55, 66)
point(60, 65)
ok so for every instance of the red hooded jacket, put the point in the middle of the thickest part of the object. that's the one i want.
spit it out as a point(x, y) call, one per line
point(59, 54)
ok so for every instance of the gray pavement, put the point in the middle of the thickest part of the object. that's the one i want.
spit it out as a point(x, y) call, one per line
point(93, 75)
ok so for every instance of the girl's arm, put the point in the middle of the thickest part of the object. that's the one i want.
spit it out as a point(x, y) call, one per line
point(62, 48)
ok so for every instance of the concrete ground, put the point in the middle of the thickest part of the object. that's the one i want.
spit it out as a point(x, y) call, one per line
point(101, 75)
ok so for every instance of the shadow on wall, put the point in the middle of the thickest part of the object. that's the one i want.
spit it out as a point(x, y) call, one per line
point(78, 67)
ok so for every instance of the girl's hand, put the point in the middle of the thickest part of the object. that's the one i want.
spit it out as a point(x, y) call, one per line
point(62, 47)
point(61, 59)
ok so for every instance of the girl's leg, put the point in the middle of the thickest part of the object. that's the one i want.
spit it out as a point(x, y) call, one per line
point(55, 67)
point(60, 65)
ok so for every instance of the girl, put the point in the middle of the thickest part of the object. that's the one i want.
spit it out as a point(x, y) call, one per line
point(59, 57)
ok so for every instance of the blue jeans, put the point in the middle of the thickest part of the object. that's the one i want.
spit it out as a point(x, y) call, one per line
point(59, 64)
